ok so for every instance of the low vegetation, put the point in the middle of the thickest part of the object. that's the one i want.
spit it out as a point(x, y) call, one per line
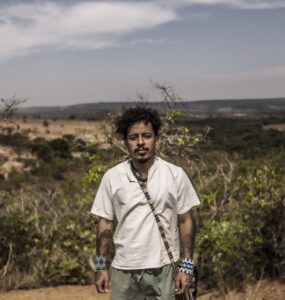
point(47, 236)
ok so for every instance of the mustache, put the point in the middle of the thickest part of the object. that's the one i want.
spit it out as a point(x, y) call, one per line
point(141, 149)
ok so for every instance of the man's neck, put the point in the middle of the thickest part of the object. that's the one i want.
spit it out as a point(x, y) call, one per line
point(143, 167)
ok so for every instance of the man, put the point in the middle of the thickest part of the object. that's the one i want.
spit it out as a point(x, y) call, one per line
point(141, 267)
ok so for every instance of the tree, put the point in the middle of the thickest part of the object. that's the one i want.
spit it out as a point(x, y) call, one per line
point(9, 107)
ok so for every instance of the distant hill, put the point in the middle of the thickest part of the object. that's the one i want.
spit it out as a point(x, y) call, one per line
point(207, 107)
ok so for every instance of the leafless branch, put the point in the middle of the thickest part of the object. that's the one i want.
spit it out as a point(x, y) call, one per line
point(8, 261)
point(169, 96)
point(10, 106)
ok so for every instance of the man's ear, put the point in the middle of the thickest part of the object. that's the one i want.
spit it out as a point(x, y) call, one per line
point(157, 140)
point(126, 144)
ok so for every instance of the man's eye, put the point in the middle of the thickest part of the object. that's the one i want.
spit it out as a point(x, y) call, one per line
point(148, 136)
point(132, 138)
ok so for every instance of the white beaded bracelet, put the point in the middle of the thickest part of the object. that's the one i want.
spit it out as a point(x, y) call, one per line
point(187, 266)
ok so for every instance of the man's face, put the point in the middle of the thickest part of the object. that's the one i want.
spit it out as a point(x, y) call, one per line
point(141, 141)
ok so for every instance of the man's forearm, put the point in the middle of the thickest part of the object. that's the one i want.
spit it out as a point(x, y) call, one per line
point(187, 234)
point(104, 236)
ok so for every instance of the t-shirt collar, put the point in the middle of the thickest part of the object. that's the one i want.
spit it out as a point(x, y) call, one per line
point(130, 174)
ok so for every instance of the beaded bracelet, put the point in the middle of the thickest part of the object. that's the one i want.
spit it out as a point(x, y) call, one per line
point(187, 266)
point(100, 262)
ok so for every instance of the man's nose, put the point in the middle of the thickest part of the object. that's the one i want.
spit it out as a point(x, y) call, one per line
point(140, 140)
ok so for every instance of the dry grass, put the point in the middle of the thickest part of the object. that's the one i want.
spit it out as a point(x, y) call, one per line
point(279, 127)
point(263, 290)
point(89, 131)
point(12, 160)
point(269, 290)
point(56, 293)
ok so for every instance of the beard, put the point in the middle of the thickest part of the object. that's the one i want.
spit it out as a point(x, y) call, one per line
point(142, 158)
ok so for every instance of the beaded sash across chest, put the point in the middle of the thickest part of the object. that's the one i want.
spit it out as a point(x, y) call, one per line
point(143, 184)
point(137, 174)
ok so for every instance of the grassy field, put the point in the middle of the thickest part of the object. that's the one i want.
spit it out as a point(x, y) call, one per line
point(55, 201)
point(264, 290)
point(49, 129)
point(56, 128)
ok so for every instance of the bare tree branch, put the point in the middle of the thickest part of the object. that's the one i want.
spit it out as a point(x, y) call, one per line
point(8, 261)
point(9, 107)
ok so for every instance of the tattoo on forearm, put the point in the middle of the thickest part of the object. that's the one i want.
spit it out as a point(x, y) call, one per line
point(188, 244)
point(188, 240)
point(102, 243)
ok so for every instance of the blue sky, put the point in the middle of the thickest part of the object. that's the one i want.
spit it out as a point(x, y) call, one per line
point(68, 52)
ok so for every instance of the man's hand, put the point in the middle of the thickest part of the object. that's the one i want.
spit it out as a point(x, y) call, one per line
point(102, 281)
point(182, 283)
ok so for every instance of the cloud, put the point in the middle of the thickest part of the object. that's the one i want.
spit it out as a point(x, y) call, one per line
point(239, 4)
point(28, 28)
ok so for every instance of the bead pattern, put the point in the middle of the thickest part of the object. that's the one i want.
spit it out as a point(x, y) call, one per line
point(100, 262)
point(137, 174)
point(187, 266)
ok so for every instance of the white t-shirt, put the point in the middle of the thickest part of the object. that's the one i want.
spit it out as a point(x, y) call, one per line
point(137, 239)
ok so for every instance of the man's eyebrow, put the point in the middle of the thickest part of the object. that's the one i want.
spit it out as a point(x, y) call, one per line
point(136, 133)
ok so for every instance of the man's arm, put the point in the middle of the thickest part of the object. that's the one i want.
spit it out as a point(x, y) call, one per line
point(104, 236)
point(187, 237)
point(187, 234)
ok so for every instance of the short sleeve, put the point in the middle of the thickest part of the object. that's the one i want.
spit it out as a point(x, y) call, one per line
point(186, 195)
point(102, 205)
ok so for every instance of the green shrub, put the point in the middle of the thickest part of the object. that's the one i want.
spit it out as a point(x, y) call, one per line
point(43, 150)
point(241, 237)
point(60, 147)
point(16, 140)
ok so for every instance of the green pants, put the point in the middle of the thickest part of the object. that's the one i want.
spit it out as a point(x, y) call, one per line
point(146, 284)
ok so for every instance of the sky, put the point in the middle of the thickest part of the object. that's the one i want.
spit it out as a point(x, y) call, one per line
point(70, 52)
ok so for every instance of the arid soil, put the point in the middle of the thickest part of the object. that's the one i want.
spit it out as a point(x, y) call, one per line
point(12, 160)
point(50, 129)
point(265, 290)
point(89, 131)
point(279, 127)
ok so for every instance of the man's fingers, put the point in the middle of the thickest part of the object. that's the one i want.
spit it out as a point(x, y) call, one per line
point(177, 285)
point(181, 286)
point(102, 286)
point(106, 286)
point(185, 286)
point(98, 288)
point(102, 282)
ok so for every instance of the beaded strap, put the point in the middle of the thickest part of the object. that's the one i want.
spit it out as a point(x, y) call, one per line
point(166, 244)
point(160, 226)
point(137, 174)
point(186, 296)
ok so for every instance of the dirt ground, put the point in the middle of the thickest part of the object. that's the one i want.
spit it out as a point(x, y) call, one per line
point(280, 127)
point(89, 131)
point(10, 158)
point(265, 290)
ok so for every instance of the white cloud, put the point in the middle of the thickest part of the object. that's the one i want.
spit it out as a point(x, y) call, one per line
point(32, 26)
point(240, 4)
point(27, 28)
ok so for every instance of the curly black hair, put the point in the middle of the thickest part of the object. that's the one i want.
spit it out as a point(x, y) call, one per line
point(137, 114)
